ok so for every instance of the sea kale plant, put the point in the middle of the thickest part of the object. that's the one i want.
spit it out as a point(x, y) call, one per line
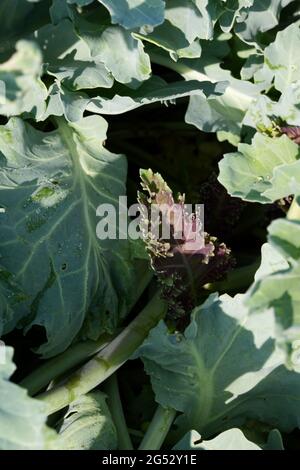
point(143, 342)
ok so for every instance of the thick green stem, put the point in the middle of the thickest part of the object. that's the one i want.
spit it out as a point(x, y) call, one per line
point(158, 429)
point(116, 409)
point(104, 364)
point(294, 210)
point(57, 366)
point(78, 353)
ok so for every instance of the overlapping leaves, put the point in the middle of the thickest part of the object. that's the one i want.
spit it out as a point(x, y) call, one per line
point(233, 439)
point(230, 369)
point(264, 171)
point(62, 58)
point(21, 89)
point(51, 186)
point(277, 281)
point(22, 419)
point(87, 425)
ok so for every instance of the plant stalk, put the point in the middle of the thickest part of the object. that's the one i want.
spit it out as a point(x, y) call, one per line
point(116, 410)
point(62, 363)
point(76, 354)
point(158, 429)
point(109, 359)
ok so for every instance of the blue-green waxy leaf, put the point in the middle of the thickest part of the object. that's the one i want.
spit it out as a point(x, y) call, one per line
point(79, 75)
point(20, 18)
point(186, 21)
point(68, 58)
point(10, 296)
point(135, 13)
point(274, 441)
point(262, 16)
point(208, 12)
point(281, 57)
point(224, 113)
point(184, 15)
point(230, 11)
point(87, 425)
point(285, 181)
point(63, 102)
point(110, 45)
point(253, 64)
point(57, 41)
point(288, 106)
point(264, 112)
point(177, 35)
point(51, 185)
point(21, 89)
point(277, 281)
point(230, 370)
point(226, 13)
point(233, 439)
point(155, 89)
point(172, 40)
point(22, 419)
point(260, 171)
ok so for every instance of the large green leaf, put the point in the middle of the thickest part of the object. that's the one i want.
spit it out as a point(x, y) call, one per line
point(277, 281)
point(21, 19)
point(263, 112)
point(224, 113)
point(207, 10)
point(120, 99)
point(22, 419)
point(182, 26)
point(87, 425)
point(288, 106)
point(230, 11)
point(186, 21)
point(134, 13)
point(51, 185)
point(21, 89)
point(68, 58)
point(233, 439)
point(10, 295)
point(225, 12)
point(281, 57)
point(57, 41)
point(110, 45)
point(252, 65)
point(230, 369)
point(78, 75)
point(260, 17)
point(63, 102)
point(264, 171)
point(185, 16)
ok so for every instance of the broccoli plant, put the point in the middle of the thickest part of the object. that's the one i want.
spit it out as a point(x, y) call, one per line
point(115, 117)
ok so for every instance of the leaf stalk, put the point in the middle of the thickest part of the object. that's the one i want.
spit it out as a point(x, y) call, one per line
point(158, 429)
point(108, 360)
